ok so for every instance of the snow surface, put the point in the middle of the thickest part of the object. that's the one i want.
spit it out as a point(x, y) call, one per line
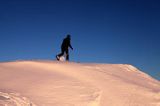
point(52, 83)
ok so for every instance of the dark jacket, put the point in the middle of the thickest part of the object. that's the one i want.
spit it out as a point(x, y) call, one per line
point(66, 43)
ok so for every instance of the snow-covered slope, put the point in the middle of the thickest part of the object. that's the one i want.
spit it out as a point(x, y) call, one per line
point(51, 83)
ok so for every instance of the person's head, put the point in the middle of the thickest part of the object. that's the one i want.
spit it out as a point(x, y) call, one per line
point(69, 36)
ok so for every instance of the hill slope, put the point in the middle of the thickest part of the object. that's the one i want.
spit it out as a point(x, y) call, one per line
point(51, 83)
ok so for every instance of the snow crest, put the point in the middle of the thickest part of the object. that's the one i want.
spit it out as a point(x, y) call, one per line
point(52, 83)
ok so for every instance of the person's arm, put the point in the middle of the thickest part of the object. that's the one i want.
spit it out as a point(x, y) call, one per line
point(70, 46)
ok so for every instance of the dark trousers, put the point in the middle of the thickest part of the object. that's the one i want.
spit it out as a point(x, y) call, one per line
point(62, 53)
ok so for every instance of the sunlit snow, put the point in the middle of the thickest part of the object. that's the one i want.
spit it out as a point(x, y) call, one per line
point(53, 83)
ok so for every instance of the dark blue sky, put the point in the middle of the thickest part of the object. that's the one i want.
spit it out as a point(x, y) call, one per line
point(103, 31)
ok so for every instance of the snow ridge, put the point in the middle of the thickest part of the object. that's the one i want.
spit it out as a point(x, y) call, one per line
point(52, 83)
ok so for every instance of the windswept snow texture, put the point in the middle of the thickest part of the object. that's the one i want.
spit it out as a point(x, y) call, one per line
point(51, 83)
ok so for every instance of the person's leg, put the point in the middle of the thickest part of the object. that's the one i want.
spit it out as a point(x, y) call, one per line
point(67, 55)
point(61, 54)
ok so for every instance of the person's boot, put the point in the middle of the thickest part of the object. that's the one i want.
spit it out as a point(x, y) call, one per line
point(57, 57)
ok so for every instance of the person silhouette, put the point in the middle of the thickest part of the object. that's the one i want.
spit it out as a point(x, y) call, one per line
point(64, 48)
